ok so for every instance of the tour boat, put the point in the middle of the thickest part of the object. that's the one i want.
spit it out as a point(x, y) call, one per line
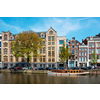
point(67, 72)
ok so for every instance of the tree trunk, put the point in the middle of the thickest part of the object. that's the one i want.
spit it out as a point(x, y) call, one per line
point(28, 62)
point(67, 64)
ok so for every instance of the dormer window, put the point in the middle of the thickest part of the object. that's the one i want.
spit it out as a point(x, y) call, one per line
point(5, 37)
point(51, 32)
point(42, 35)
point(11, 38)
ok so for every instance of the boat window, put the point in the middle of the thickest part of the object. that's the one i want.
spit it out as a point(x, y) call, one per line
point(71, 71)
point(65, 71)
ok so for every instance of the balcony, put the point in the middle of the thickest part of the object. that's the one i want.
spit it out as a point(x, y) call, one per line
point(72, 53)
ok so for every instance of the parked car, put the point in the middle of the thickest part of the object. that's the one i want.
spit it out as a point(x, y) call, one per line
point(53, 68)
point(61, 68)
point(47, 68)
point(4, 67)
point(84, 68)
point(12, 67)
point(25, 68)
point(74, 68)
point(18, 68)
point(89, 67)
point(40, 68)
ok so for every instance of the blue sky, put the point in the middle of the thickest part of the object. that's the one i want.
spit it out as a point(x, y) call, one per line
point(78, 27)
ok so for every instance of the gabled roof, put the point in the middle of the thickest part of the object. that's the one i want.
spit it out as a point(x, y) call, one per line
point(51, 28)
point(39, 33)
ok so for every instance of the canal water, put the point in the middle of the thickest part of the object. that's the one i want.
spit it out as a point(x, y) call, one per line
point(22, 78)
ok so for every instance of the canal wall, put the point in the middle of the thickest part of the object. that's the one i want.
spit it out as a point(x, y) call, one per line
point(91, 72)
point(24, 71)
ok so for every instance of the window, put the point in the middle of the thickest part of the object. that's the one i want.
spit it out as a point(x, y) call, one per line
point(49, 60)
point(79, 58)
point(5, 37)
point(0, 37)
point(5, 58)
point(52, 38)
point(92, 44)
point(72, 46)
point(49, 48)
point(50, 65)
point(51, 32)
point(17, 59)
point(23, 59)
point(60, 49)
point(89, 56)
point(97, 51)
point(35, 65)
point(82, 49)
point(43, 42)
point(79, 53)
point(92, 50)
point(35, 59)
point(40, 51)
point(53, 53)
point(66, 41)
point(49, 53)
point(5, 51)
point(89, 44)
point(53, 65)
point(85, 49)
point(40, 59)
point(53, 48)
point(85, 58)
point(0, 44)
point(73, 51)
point(5, 44)
point(44, 50)
point(76, 46)
point(85, 53)
point(11, 51)
point(89, 50)
point(61, 41)
point(49, 38)
point(49, 43)
point(98, 56)
point(53, 60)
point(43, 58)
point(76, 56)
point(76, 50)
point(66, 44)
point(52, 43)
point(82, 53)
point(42, 35)
point(69, 46)
point(70, 51)
point(82, 58)
point(98, 44)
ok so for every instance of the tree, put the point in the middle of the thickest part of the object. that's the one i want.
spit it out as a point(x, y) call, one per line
point(26, 45)
point(94, 58)
point(64, 54)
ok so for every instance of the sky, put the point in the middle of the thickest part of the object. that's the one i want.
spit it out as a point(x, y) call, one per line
point(78, 27)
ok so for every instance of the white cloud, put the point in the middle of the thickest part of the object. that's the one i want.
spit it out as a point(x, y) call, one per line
point(64, 26)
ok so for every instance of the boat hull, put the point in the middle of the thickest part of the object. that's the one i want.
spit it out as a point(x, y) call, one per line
point(67, 74)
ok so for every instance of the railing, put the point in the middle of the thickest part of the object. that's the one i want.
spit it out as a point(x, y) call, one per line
point(68, 71)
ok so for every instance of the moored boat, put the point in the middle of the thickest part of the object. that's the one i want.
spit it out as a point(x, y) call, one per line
point(67, 72)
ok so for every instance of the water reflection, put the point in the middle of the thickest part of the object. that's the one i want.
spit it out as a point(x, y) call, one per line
point(20, 78)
